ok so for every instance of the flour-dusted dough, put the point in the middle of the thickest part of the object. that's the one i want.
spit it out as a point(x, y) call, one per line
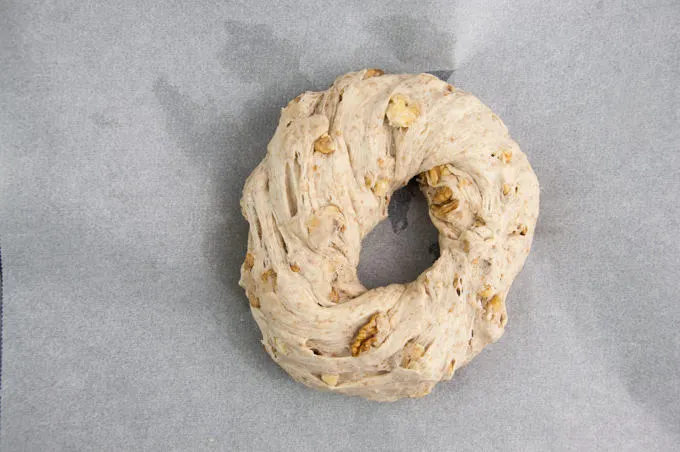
point(334, 160)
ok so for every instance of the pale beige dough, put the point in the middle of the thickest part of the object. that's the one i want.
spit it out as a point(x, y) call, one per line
point(334, 160)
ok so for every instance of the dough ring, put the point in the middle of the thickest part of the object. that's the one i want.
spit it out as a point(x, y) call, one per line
point(331, 166)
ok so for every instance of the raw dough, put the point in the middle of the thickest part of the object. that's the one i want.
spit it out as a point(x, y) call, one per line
point(334, 160)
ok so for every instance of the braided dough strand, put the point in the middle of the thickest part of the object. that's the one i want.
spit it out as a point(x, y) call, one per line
point(334, 161)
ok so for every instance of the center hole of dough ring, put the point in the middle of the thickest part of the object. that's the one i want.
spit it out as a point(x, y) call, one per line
point(331, 167)
point(400, 248)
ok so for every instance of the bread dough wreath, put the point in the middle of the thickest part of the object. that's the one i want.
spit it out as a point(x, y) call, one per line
point(331, 166)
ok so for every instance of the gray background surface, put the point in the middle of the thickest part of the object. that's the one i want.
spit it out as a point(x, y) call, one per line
point(127, 130)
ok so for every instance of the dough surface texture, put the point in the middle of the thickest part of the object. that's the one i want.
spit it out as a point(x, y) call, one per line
point(333, 163)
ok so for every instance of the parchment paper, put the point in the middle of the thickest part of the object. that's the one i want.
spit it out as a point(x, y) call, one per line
point(127, 130)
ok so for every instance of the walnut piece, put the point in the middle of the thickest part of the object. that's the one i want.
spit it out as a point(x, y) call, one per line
point(486, 292)
point(373, 73)
point(365, 337)
point(442, 195)
point(330, 379)
point(432, 176)
point(253, 299)
point(411, 354)
point(249, 262)
point(441, 210)
point(402, 111)
point(324, 144)
point(381, 187)
point(268, 274)
point(496, 307)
